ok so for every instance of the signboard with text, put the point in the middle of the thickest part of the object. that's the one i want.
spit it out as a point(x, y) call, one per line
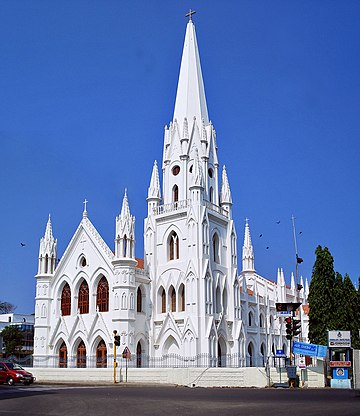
point(312, 350)
point(340, 363)
point(339, 339)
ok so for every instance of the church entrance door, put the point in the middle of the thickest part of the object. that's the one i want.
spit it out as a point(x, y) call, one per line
point(63, 356)
point(81, 356)
point(101, 355)
point(138, 355)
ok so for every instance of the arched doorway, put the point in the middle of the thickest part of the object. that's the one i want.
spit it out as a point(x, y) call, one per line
point(221, 353)
point(63, 355)
point(101, 355)
point(138, 355)
point(251, 354)
point(81, 355)
point(263, 353)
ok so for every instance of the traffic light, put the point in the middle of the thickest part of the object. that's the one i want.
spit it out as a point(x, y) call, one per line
point(289, 332)
point(117, 340)
point(296, 327)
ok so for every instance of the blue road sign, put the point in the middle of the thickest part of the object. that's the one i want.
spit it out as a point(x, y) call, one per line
point(312, 350)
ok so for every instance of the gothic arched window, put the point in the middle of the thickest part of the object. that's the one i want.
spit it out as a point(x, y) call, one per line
point(163, 300)
point(102, 295)
point(251, 319)
point(182, 298)
point(66, 300)
point(172, 295)
point(175, 193)
point(173, 246)
point(211, 194)
point(216, 248)
point(139, 300)
point(83, 302)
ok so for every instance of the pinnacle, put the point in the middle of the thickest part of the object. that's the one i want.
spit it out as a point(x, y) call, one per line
point(125, 210)
point(225, 188)
point(154, 188)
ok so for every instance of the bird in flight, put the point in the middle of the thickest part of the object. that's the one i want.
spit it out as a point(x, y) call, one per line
point(22, 244)
point(260, 235)
point(277, 222)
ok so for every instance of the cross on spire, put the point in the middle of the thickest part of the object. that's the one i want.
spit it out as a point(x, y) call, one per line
point(189, 15)
point(85, 202)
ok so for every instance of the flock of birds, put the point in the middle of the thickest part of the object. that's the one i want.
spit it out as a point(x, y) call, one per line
point(277, 222)
point(260, 235)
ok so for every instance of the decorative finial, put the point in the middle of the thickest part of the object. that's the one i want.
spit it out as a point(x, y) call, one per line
point(189, 15)
point(85, 212)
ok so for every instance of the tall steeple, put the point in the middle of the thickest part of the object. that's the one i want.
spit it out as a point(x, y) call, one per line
point(248, 260)
point(154, 196)
point(47, 251)
point(125, 232)
point(190, 97)
point(154, 188)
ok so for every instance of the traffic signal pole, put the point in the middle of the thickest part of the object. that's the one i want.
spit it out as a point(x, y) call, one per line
point(115, 332)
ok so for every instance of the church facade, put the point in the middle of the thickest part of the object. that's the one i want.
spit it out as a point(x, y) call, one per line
point(186, 303)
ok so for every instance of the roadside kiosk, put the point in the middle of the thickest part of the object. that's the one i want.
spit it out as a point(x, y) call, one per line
point(340, 359)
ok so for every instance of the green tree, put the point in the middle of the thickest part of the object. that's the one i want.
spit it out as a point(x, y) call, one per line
point(13, 338)
point(6, 307)
point(351, 306)
point(339, 309)
point(321, 297)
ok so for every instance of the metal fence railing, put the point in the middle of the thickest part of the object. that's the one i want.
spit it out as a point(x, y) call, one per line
point(145, 361)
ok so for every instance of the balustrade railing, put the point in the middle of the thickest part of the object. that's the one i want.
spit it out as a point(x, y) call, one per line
point(185, 203)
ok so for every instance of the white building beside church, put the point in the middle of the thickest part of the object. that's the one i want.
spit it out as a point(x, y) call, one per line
point(186, 303)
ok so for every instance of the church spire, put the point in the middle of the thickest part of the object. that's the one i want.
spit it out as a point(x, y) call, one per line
point(125, 210)
point(154, 195)
point(154, 188)
point(47, 251)
point(125, 231)
point(225, 194)
point(248, 260)
point(190, 97)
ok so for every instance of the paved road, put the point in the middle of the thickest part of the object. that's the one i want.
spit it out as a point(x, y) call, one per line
point(134, 400)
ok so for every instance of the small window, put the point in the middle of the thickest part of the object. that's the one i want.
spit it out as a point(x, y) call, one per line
point(139, 300)
point(173, 246)
point(250, 319)
point(210, 172)
point(216, 247)
point(172, 299)
point(191, 169)
point(83, 262)
point(163, 301)
point(175, 193)
point(176, 170)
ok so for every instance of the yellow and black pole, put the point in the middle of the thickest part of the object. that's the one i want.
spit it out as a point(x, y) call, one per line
point(116, 342)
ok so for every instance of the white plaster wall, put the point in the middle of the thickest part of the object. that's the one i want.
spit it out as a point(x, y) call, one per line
point(191, 377)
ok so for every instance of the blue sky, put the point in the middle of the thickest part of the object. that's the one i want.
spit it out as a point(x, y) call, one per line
point(86, 87)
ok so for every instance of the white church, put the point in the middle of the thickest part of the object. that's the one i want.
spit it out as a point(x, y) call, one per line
point(186, 303)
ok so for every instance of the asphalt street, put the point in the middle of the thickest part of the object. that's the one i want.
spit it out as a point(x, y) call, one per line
point(126, 400)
